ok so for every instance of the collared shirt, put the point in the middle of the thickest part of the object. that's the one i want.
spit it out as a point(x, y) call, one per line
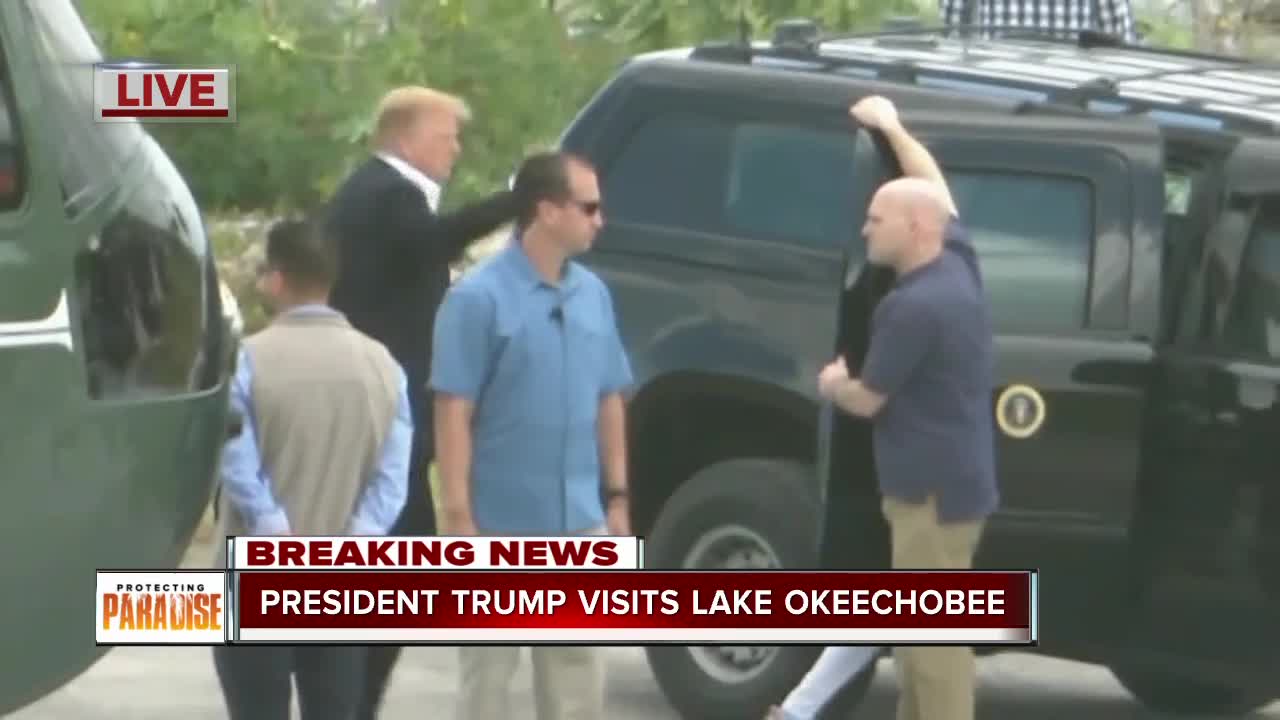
point(1061, 17)
point(431, 189)
point(932, 356)
point(536, 359)
point(248, 485)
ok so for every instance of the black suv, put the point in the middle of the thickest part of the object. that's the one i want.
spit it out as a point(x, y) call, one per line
point(1125, 202)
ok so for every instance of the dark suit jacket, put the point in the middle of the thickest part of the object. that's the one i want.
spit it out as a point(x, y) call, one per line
point(395, 255)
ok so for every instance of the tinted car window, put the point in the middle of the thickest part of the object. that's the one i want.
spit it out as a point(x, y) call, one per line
point(791, 184)
point(12, 158)
point(671, 174)
point(1033, 234)
point(1252, 324)
point(768, 182)
point(145, 301)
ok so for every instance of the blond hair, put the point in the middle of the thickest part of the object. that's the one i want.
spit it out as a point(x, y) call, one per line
point(401, 107)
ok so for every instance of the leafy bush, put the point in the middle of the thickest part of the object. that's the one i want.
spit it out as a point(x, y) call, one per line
point(307, 81)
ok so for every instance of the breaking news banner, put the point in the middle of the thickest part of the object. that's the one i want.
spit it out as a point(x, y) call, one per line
point(647, 607)
point(428, 553)
point(539, 591)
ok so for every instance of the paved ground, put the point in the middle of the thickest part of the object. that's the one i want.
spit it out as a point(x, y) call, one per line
point(166, 683)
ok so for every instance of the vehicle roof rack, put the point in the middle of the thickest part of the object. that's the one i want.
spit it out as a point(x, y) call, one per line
point(1076, 68)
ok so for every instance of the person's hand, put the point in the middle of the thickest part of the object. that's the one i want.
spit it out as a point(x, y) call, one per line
point(832, 377)
point(874, 112)
point(618, 517)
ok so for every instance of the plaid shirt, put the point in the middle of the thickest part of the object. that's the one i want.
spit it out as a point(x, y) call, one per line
point(1064, 17)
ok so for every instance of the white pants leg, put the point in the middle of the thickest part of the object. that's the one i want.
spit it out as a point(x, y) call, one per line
point(834, 667)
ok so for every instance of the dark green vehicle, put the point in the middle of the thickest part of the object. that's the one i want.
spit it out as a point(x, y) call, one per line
point(114, 350)
point(1125, 202)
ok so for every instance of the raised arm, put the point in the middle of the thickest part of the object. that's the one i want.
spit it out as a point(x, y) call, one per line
point(878, 113)
point(426, 237)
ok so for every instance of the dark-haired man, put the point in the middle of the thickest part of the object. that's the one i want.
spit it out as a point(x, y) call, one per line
point(528, 372)
point(323, 450)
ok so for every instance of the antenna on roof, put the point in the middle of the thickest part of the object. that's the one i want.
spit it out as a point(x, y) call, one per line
point(744, 27)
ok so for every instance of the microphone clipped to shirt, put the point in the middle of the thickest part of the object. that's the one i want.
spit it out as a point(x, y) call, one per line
point(557, 314)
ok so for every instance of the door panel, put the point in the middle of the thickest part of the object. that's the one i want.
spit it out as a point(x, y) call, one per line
point(112, 361)
point(1068, 474)
point(41, 387)
point(1211, 528)
point(733, 264)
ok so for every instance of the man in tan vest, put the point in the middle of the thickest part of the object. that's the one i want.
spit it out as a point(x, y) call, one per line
point(324, 450)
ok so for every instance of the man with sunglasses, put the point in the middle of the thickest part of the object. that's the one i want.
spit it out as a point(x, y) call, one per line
point(528, 372)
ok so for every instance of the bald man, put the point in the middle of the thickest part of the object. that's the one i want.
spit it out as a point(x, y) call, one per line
point(926, 386)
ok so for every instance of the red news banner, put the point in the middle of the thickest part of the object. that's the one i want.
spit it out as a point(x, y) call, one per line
point(590, 591)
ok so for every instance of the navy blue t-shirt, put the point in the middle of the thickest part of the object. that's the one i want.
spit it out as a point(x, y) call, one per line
point(931, 355)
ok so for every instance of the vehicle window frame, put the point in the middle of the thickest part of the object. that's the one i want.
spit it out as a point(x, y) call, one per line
point(645, 103)
point(952, 169)
point(1220, 341)
point(1111, 247)
point(733, 175)
point(1106, 169)
point(22, 151)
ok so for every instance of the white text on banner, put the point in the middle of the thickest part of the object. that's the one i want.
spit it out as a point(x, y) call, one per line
point(436, 553)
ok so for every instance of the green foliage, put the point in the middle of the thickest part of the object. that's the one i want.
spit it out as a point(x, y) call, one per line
point(307, 81)
point(1158, 30)
point(310, 71)
point(650, 24)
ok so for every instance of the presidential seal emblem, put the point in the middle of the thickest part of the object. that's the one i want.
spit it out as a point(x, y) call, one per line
point(1020, 411)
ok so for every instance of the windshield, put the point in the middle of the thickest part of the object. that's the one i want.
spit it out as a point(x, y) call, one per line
point(93, 154)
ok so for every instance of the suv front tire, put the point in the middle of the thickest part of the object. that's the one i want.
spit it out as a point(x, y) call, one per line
point(750, 514)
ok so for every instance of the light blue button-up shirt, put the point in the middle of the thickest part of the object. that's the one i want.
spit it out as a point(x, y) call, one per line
point(536, 359)
point(248, 486)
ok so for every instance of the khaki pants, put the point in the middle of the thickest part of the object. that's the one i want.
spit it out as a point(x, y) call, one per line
point(937, 683)
point(568, 682)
